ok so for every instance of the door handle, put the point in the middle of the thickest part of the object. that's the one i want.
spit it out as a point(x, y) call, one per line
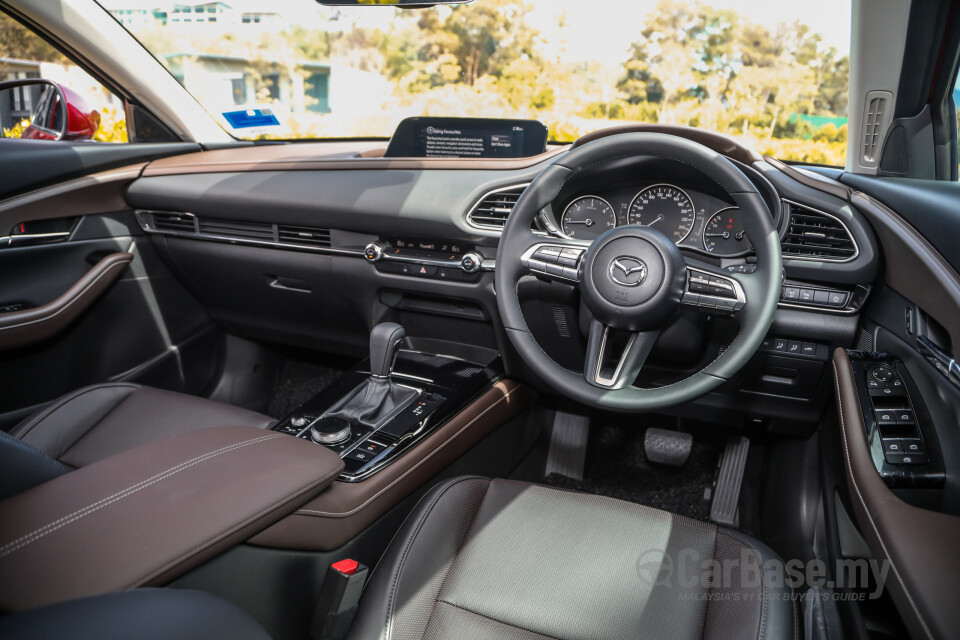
point(27, 326)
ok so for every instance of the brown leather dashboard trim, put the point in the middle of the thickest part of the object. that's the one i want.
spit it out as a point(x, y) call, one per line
point(20, 328)
point(319, 156)
point(147, 515)
point(921, 545)
point(96, 193)
point(345, 509)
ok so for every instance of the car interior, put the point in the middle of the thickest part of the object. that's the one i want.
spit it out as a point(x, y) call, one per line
point(358, 388)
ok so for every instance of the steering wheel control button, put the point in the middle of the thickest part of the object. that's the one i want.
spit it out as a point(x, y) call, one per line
point(699, 283)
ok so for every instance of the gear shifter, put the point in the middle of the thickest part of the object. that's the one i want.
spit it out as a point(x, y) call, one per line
point(378, 399)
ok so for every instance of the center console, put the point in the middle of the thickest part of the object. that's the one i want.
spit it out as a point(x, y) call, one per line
point(408, 388)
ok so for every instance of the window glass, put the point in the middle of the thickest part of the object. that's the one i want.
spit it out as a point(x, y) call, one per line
point(23, 54)
point(773, 74)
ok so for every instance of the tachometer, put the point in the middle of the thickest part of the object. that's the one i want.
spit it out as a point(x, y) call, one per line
point(587, 218)
point(724, 235)
point(665, 208)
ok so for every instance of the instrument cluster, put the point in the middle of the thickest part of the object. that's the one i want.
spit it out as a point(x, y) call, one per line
point(693, 220)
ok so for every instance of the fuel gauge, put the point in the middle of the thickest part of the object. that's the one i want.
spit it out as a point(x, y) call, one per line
point(724, 235)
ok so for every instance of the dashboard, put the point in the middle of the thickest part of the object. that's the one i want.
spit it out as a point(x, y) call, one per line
point(694, 220)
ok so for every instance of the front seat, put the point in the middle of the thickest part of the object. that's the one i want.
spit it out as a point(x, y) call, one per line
point(97, 422)
point(482, 558)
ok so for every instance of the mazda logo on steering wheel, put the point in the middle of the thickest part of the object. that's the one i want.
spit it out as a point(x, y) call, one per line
point(628, 272)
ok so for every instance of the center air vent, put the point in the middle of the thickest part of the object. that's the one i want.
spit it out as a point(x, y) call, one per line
point(237, 229)
point(309, 236)
point(171, 221)
point(492, 210)
point(815, 235)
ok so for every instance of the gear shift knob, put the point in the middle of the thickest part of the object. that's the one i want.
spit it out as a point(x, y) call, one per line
point(385, 340)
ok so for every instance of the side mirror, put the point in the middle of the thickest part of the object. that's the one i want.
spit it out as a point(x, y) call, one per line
point(39, 109)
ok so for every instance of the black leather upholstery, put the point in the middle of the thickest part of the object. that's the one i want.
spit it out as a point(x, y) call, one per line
point(145, 614)
point(23, 467)
point(482, 558)
point(97, 422)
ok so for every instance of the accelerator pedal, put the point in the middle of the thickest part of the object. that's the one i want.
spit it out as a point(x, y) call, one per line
point(567, 455)
point(726, 491)
point(667, 447)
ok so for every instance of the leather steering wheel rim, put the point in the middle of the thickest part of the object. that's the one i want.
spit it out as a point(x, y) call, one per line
point(761, 288)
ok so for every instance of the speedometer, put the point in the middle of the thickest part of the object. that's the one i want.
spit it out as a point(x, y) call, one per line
point(666, 208)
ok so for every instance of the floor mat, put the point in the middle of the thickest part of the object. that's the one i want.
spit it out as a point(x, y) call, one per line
point(616, 466)
point(299, 382)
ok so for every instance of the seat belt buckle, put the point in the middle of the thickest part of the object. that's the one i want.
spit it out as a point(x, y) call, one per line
point(338, 600)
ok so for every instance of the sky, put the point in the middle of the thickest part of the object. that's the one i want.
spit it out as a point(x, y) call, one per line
point(603, 29)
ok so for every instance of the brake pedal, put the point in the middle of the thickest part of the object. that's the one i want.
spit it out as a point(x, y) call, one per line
point(667, 447)
point(726, 490)
point(567, 455)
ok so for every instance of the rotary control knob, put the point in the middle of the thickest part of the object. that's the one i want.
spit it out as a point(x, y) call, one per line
point(299, 421)
point(330, 431)
point(373, 252)
point(471, 262)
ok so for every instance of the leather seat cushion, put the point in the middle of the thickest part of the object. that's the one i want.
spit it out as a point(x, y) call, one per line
point(145, 614)
point(484, 558)
point(97, 422)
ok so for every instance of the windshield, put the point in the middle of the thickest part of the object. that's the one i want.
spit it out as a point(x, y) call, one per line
point(773, 75)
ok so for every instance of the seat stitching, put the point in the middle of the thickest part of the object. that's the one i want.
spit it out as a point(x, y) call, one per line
point(48, 318)
point(409, 543)
point(32, 449)
point(866, 510)
point(49, 411)
point(507, 624)
point(49, 528)
point(413, 468)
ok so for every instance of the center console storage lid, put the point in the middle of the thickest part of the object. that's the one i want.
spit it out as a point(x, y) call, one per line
point(147, 515)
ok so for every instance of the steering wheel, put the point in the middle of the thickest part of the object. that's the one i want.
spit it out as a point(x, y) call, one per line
point(633, 280)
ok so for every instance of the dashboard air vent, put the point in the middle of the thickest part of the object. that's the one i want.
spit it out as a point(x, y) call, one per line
point(309, 236)
point(237, 229)
point(492, 210)
point(815, 235)
point(171, 221)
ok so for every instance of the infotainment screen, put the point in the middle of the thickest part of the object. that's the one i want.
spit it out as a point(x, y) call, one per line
point(467, 138)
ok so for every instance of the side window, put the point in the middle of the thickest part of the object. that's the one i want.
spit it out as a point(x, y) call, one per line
point(40, 111)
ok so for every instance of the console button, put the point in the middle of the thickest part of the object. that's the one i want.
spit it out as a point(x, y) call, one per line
point(806, 295)
point(907, 459)
point(912, 446)
point(886, 418)
point(821, 297)
point(837, 299)
point(424, 270)
point(892, 445)
point(448, 273)
point(371, 447)
point(808, 349)
point(888, 392)
point(905, 417)
point(361, 455)
point(883, 373)
point(767, 344)
point(794, 347)
point(791, 293)
point(779, 345)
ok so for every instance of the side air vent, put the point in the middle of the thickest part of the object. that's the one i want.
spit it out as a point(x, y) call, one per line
point(815, 235)
point(171, 221)
point(492, 210)
point(309, 236)
point(237, 229)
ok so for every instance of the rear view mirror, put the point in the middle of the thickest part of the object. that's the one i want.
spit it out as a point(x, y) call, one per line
point(412, 4)
point(39, 109)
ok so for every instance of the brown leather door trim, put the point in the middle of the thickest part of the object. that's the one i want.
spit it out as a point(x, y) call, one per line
point(345, 509)
point(20, 328)
point(920, 545)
